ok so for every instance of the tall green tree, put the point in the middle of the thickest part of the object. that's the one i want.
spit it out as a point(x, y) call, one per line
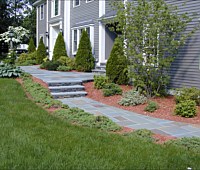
point(31, 46)
point(41, 52)
point(117, 64)
point(59, 48)
point(84, 59)
point(152, 31)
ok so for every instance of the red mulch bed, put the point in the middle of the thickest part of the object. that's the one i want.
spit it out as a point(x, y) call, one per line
point(165, 111)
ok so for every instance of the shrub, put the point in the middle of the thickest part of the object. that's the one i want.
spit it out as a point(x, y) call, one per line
point(59, 48)
point(184, 94)
point(70, 62)
point(64, 68)
point(26, 59)
point(11, 57)
point(31, 46)
point(151, 107)
point(7, 70)
point(33, 55)
point(78, 116)
point(62, 60)
point(50, 65)
point(100, 81)
point(116, 67)
point(84, 59)
point(111, 89)
point(41, 52)
point(186, 108)
point(132, 98)
point(187, 143)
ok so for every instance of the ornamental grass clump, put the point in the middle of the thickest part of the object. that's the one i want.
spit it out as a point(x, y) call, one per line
point(132, 98)
point(84, 59)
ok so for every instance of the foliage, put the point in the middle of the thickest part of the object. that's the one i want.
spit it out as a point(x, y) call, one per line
point(192, 143)
point(132, 98)
point(100, 81)
point(78, 116)
point(31, 46)
point(19, 34)
point(41, 51)
point(142, 134)
point(62, 60)
point(111, 89)
point(59, 48)
point(116, 66)
point(11, 57)
point(184, 94)
point(39, 94)
point(186, 108)
point(50, 65)
point(26, 59)
point(84, 58)
point(70, 62)
point(64, 68)
point(7, 70)
point(151, 107)
point(151, 30)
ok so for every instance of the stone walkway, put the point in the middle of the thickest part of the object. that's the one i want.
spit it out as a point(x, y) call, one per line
point(120, 116)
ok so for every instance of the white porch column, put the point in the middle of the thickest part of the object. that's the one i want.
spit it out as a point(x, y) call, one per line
point(102, 33)
point(67, 29)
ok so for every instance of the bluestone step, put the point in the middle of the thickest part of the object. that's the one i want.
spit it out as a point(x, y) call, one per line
point(99, 71)
point(68, 94)
point(64, 83)
point(66, 88)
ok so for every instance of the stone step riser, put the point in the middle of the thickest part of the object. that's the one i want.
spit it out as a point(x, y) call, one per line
point(67, 89)
point(68, 96)
point(64, 83)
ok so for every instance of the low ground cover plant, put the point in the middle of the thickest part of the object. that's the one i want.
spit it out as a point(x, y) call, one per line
point(39, 94)
point(151, 107)
point(63, 68)
point(8, 70)
point(132, 98)
point(111, 89)
point(78, 116)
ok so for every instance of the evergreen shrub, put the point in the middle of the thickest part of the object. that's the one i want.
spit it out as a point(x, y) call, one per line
point(151, 107)
point(186, 108)
point(116, 67)
point(70, 62)
point(111, 89)
point(84, 58)
point(41, 52)
point(59, 48)
point(63, 60)
point(100, 81)
point(31, 46)
point(64, 68)
point(50, 65)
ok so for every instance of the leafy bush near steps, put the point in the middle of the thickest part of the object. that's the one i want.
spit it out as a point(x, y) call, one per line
point(111, 89)
point(100, 81)
point(186, 108)
point(50, 65)
point(142, 134)
point(64, 68)
point(26, 59)
point(80, 117)
point(40, 94)
point(70, 62)
point(132, 98)
point(184, 94)
point(7, 70)
point(62, 60)
point(151, 107)
point(192, 144)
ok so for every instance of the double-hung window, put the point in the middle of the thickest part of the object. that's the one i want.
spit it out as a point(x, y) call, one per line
point(55, 8)
point(42, 12)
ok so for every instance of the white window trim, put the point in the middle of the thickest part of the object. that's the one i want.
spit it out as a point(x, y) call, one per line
point(74, 6)
point(78, 37)
point(89, 1)
point(53, 8)
point(41, 16)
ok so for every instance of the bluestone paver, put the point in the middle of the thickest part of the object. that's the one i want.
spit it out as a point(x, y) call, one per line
point(122, 117)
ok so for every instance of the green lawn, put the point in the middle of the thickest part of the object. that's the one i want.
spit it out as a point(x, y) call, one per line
point(30, 138)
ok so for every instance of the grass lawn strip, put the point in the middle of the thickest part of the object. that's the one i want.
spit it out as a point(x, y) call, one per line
point(33, 139)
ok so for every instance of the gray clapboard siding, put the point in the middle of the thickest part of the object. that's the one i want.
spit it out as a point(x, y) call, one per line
point(86, 12)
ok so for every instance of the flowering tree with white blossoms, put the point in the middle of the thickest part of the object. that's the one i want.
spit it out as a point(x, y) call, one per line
point(19, 34)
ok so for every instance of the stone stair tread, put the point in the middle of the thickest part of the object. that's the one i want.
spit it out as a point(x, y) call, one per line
point(98, 70)
point(68, 93)
point(66, 81)
point(65, 87)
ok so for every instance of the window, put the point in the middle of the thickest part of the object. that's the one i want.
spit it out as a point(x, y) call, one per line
point(55, 8)
point(76, 36)
point(87, 1)
point(76, 3)
point(41, 12)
